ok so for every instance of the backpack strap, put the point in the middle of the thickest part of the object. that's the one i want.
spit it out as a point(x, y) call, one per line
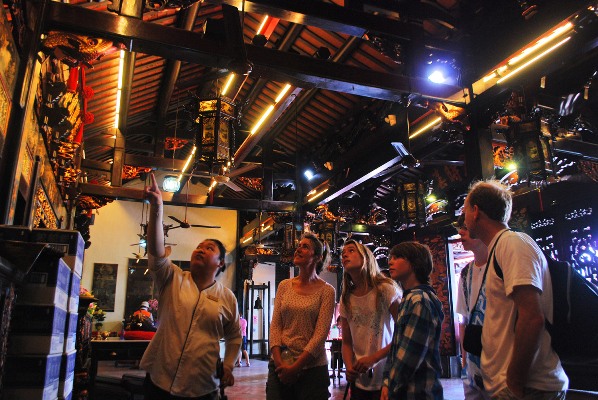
point(485, 273)
point(464, 274)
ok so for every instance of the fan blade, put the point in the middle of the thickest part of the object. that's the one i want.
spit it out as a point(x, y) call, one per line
point(169, 244)
point(206, 226)
point(241, 170)
point(176, 219)
point(233, 186)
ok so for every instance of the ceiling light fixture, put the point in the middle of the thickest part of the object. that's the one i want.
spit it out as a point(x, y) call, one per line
point(187, 163)
point(437, 77)
point(171, 184)
point(533, 60)
point(315, 194)
point(262, 119)
point(119, 86)
point(425, 127)
point(259, 30)
point(282, 92)
point(270, 108)
point(528, 55)
point(229, 81)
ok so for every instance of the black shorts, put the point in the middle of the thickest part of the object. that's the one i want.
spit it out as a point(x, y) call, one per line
point(244, 345)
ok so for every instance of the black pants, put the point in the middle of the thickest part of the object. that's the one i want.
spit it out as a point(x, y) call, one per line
point(153, 392)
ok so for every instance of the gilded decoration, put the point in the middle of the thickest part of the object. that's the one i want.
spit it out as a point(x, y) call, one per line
point(74, 50)
point(172, 143)
point(251, 183)
point(44, 216)
point(502, 155)
point(86, 202)
point(131, 172)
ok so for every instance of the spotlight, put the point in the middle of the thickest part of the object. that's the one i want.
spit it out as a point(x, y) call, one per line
point(171, 184)
point(308, 174)
point(441, 70)
point(259, 40)
point(437, 76)
point(322, 53)
point(406, 157)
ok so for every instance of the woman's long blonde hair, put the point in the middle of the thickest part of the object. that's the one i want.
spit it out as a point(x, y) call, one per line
point(370, 273)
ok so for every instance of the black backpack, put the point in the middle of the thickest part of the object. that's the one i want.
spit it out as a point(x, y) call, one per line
point(574, 330)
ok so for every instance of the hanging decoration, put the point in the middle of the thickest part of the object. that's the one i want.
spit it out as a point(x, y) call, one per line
point(412, 204)
point(215, 131)
point(533, 153)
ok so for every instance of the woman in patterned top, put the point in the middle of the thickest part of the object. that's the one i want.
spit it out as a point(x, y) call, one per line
point(369, 304)
point(300, 323)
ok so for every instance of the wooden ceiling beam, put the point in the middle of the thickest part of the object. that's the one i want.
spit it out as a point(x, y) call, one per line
point(302, 71)
point(171, 75)
point(350, 21)
point(123, 193)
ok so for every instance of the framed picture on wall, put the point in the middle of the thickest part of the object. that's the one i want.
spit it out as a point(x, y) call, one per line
point(104, 285)
point(140, 286)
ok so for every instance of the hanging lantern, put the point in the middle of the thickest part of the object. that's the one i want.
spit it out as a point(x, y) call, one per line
point(412, 205)
point(328, 232)
point(532, 150)
point(215, 133)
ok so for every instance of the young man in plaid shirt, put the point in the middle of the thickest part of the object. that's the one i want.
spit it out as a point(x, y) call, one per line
point(413, 368)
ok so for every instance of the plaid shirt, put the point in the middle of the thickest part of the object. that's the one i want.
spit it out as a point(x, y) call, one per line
point(412, 369)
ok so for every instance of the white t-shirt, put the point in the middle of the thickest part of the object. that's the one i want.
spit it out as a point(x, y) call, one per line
point(371, 326)
point(473, 280)
point(522, 263)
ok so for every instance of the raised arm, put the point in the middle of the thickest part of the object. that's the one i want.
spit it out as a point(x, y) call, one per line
point(155, 230)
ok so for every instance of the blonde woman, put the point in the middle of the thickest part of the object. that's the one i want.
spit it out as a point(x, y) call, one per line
point(369, 306)
point(300, 323)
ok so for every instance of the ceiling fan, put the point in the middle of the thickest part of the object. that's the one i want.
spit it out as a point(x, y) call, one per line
point(143, 240)
point(222, 177)
point(185, 223)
